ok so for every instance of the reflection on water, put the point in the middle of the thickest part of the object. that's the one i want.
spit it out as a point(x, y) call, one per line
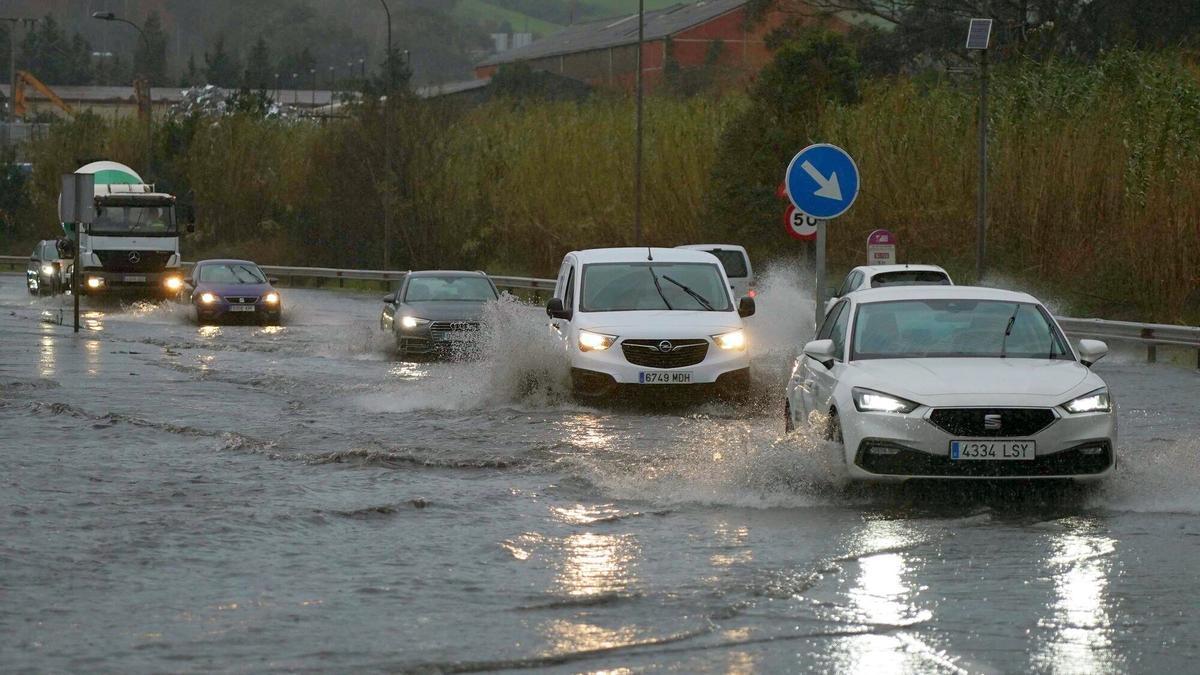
point(210, 332)
point(882, 595)
point(47, 364)
point(408, 370)
point(566, 636)
point(93, 320)
point(734, 544)
point(596, 563)
point(92, 355)
point(586, 432)
point(1079, 634)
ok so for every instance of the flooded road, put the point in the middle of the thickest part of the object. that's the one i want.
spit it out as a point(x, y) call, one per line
point(176, 498)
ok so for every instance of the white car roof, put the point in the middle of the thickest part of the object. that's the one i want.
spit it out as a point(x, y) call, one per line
point(639, 254)
point(872, 270)
point(939, 293)
point(706, 247)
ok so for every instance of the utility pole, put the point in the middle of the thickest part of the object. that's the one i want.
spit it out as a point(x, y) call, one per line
point(637, 164)
point(978, 38)
point(12, 70)
point(387, 144)
point(143, 78)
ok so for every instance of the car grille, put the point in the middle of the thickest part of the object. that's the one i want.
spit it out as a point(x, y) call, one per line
point(679, 354)
point(442, 330)
point(1088, 458)
point(241, 299)
point(981, 422)
point(145, 261)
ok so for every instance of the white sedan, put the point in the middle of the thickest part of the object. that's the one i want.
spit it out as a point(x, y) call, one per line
point(954, 382)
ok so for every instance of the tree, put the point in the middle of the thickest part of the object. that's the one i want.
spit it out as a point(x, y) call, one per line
point(813, 70)
point(259, 74)
point(191, 76)
point(221, 67)
point(53, 58)
point(150, 56)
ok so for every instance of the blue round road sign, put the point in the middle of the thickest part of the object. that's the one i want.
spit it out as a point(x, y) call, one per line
point(822, 181)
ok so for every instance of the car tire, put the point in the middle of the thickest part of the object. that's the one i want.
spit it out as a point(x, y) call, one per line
point(833, 428)
point(788, 426)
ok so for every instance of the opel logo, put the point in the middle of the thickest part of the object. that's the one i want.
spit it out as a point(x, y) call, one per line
point(135, 257)
point(991, 422)
point(665, 346)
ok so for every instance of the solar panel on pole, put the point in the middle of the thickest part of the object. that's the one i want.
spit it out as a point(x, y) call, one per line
point(979, 34)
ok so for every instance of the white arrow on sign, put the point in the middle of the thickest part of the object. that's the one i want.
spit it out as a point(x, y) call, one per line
point(829, 187)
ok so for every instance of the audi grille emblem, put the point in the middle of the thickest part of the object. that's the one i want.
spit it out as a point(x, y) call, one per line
point(665, 346)
point(460, 325)
point(991, 422)
point(135, 257)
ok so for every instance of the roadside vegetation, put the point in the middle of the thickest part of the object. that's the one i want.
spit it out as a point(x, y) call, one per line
point(1094, 191)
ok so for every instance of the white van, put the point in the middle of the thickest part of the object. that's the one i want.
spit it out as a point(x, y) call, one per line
point(650, 316)
point(737, 266)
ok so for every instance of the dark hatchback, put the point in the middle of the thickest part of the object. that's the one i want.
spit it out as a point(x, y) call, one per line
point(46, 272)
point(233, 290)
point(437, 313)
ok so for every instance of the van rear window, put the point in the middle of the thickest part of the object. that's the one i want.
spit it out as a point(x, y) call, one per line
point(733, 262)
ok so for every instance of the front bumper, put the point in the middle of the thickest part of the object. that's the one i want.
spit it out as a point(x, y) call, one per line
point(220, 311)
point(731, 384)
point(612, 363)
point(890, 447)
point(129, 281)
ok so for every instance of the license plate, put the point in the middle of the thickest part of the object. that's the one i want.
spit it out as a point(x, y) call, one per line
point(992, 450)
point(678, 377)
point(241, 308)
point(135, 277)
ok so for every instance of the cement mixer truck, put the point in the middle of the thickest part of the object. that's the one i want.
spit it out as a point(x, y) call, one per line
point(132, 244)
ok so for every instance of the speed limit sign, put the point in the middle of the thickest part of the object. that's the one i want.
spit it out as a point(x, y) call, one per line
point(800, 225)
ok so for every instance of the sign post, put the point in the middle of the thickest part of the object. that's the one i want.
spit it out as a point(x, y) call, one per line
point(821, 182)
point(881, 248)
point(75, 209)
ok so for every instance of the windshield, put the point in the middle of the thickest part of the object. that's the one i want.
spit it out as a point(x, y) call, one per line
point(616, 287)
point(955, 328)
point(231, 273)
point(450, 289)
point(910, 278)
point(145, 221)
point(734, 262)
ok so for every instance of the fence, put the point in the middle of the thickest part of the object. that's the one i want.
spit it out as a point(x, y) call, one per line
point(1152, 335)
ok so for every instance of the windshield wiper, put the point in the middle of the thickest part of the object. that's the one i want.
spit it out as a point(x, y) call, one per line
point(699, 298)
point(1008, 331)
point(658, 286)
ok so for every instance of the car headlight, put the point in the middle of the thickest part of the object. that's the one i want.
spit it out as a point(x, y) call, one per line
point(866, 400)
point(47, 269)
point(413, 322)
point(735, 340)
point(173, 283)
point(271, 298)
point(595, 342)
point(1093, 401)
point(208, 298)
point(95, 282)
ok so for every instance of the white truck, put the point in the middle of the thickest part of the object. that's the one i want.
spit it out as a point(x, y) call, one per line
point(133, 242)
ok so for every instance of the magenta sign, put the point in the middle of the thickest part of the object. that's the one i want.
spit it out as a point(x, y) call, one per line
point(881, 248)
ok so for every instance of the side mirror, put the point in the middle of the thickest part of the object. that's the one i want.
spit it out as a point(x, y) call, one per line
point(746, 306)
point(821, 351)
point(1091, 351)
point(555, 310)
point(272, 280)
point(188, 281)
point(389, 298)
point(187, 216)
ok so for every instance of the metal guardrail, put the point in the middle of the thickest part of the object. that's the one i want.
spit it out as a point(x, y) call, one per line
point(1150, 334)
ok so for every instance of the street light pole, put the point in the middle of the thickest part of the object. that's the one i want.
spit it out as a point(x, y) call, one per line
point(12, 69)
point(637, 165)
point(109, 16)
point(979, 36)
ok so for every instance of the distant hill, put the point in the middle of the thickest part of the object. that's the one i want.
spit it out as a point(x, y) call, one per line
point(542, 17)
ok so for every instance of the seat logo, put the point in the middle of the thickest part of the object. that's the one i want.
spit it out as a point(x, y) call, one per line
point(991, 422)
point(135, 257)
point(665, 346)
